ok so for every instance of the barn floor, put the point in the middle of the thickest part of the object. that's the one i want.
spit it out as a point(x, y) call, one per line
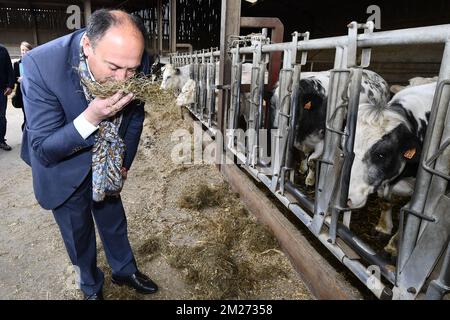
point(189, 232)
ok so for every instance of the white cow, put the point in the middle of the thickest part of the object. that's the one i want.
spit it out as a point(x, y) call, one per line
point(187, 95)
point(416, 81)
point(174, 78)
point(388, 144)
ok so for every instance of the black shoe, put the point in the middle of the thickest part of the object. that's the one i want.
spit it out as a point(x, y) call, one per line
point(138, 281)
point(95, 296)
point(4, 146)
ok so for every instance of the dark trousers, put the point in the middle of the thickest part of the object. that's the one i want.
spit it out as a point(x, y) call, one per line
point(75, 221)
point(3, 102)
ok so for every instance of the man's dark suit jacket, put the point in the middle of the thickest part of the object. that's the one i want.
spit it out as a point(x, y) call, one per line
point(59, 157)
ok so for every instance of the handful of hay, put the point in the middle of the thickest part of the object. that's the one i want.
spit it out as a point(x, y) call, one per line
point(141, 86)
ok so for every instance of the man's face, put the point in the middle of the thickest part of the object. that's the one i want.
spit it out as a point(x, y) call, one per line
point(116, 56)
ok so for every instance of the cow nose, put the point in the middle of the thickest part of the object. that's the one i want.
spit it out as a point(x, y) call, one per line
point(349, 203)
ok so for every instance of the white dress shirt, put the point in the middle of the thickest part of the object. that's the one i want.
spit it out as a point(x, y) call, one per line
point(83, 126)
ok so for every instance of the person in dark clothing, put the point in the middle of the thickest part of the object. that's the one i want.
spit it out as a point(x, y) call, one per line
point(6, 87)
point(17, 99)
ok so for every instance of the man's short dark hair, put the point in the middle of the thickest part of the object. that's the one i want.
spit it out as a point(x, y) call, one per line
point(101, 20)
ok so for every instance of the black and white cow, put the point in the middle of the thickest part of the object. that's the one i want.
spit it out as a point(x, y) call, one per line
point(310, 124)
point(388, 144)
point(156, 69)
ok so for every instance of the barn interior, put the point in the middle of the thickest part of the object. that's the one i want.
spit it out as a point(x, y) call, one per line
point(181, 25)
point(190, 25)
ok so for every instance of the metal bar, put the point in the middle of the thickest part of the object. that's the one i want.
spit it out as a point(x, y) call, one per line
point(441, 286)
point(299, 196)
point(412, 36)
point(341, 192)
point(329, 165)
point(364, 250)
point(289, 163)
point(210, 93)
point(422, 187)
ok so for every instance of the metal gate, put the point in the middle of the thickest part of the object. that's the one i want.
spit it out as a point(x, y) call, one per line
point(425, 221)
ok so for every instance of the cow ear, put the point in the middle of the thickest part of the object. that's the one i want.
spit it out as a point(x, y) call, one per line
point(409, 144)
point(177, 71)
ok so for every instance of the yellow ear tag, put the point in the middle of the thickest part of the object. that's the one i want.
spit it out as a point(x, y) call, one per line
point(307, 106)
point(409, 154)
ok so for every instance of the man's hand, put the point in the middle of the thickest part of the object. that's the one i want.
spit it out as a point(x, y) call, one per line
point(19, 79)
point(124, 173)
point(8, 91)
point(100, 109)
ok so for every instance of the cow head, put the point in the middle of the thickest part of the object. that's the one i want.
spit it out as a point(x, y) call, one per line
point(187, 95)
point(171, 78)
point(384, 145)
point(312, 108)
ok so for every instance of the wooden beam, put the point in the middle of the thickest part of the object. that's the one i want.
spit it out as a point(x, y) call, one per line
point(319, 276)
point(230, 25)
point(173, 26)
point(160, 27)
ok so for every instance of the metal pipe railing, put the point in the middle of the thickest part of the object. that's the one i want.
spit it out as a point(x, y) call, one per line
point(412, 36)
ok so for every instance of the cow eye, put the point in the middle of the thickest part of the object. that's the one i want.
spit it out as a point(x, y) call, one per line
point(380, 155)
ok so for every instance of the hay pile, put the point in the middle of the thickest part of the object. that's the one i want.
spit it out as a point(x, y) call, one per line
point(228, 260)
point(141, 86)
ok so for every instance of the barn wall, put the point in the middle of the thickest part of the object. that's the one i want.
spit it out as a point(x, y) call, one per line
point(11, 39)
point(330, 18)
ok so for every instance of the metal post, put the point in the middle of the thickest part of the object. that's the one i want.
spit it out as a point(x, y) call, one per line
point(340, 193)
point(328, 169)
point(285, 87)
point(230, 25)
point(202, 84)
point(339, 200)
point(441, 286)
point(210, 90)
point(422, 187)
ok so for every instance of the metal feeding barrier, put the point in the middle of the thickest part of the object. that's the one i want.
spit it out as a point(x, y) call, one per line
point(203, 70)
point(423, 265)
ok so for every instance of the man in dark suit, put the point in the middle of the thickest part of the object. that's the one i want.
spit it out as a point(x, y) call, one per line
point(6, 87)
point(62, 128)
